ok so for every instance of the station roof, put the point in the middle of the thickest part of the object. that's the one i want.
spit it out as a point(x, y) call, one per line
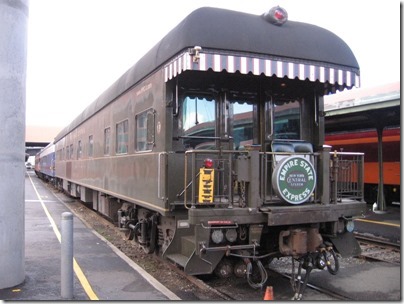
point(40, 135)
point(364, 109)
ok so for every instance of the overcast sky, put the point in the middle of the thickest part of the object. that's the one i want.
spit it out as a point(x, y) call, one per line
point(78, 48)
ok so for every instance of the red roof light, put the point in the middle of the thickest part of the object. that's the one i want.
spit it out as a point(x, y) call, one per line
point(279, 15)
point(276, 15)
point(208, 163)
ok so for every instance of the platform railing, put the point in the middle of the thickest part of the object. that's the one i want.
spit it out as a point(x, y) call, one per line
point(347, 176)
point(223, 161)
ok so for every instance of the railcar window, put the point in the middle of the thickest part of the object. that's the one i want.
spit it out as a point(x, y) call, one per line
point(59, 154)
point(79, 150)
point(198, 120)
point(242, 124)
point(122, 137)
point(71, 152)
point(145, 131)
point(90, 146)
point(150, 128)
point(287, 120)
point(107, 140)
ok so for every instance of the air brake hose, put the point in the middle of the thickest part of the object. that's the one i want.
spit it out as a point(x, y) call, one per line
point(263, 273)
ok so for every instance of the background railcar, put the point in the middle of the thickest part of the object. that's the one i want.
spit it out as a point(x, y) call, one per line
point(45, 163)
point(366, 141)
point(210, 149)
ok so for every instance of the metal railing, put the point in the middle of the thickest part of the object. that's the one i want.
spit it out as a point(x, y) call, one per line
point(347, 176)
point(223, 164)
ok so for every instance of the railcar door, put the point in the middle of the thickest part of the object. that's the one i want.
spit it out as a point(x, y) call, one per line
point(213, 126)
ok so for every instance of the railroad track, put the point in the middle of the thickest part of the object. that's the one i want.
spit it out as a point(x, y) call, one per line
point(377, 249)
point(330, 293)
point(196, 281)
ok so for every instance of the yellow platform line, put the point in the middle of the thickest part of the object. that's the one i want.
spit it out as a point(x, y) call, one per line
point(377, 222)
point(77, 269)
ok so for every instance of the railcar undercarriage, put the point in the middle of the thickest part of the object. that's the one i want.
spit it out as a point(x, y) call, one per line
point(228, 248)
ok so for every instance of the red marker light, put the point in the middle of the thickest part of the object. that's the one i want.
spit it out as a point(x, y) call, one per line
point(208, 163)
point(276, 15)
point(279, 15)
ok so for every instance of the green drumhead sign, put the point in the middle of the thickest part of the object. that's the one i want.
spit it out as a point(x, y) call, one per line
point(294, 179)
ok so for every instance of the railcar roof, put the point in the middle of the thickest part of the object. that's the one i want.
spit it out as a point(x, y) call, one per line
point(213, 28)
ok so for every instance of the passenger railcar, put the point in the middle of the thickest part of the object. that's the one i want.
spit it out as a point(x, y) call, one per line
point(366, 141)
point(198, 152)
point(45, 163)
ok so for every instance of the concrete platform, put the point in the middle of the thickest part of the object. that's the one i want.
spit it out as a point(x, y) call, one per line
point(101, 271)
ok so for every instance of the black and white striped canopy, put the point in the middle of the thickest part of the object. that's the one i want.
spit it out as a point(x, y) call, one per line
point(339, 76)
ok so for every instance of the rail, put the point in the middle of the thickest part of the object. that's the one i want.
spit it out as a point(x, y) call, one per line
point(347, 176)
point(223, 160)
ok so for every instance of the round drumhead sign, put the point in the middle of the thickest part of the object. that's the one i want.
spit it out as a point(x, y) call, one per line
point(294, 179)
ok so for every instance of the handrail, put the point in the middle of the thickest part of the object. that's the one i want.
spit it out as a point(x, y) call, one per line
point(345, 180)
point(348, 175)
point(347, 153)
point(193, 153)
point(159, 176)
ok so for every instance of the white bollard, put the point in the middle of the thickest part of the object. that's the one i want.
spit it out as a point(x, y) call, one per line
point(67, 256)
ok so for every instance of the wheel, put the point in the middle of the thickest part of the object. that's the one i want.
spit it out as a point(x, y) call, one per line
point(224, 269)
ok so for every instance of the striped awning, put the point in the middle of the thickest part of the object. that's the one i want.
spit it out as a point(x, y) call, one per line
point(335, 76)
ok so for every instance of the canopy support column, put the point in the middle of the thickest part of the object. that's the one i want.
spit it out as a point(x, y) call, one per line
point(381, 202)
